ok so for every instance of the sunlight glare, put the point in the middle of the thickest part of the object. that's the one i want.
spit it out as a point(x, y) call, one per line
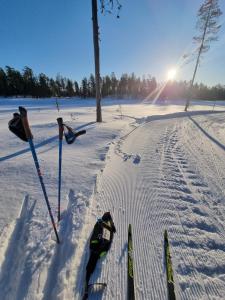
point(171, 74)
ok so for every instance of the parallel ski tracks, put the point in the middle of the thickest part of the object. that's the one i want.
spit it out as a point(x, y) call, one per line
point(164, 191)
point(200, 223)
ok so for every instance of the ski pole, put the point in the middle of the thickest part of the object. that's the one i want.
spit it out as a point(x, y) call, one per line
point(60, 123)
point(29, 136)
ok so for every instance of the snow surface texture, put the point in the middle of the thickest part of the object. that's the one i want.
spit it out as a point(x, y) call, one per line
point(153, 166)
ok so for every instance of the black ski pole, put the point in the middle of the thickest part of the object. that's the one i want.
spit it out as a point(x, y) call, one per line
point(60, 123)
point(23, 114)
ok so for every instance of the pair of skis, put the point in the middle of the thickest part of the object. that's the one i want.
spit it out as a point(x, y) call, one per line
point(130, 270)
point(168, 263)
point(19, 125)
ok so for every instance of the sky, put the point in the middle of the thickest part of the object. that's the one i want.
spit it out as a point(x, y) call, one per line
point(150, 37)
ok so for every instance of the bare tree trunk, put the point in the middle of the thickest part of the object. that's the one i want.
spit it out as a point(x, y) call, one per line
point(198, 59)
point(193, 79)
point(97, 63)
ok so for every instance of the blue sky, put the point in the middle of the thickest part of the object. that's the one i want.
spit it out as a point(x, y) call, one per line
point(55, 36)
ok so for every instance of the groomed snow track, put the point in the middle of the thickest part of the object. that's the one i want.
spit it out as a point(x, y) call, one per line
point(172, 185)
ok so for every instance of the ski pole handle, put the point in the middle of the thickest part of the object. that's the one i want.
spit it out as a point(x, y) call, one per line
point(23, 113)
point(80, 133)
point(60, 123)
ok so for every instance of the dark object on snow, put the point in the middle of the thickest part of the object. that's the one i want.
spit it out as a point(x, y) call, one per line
point(70, 134)
point(100, 243)
point(16, 126)
point(169, 268)
point(130, 267)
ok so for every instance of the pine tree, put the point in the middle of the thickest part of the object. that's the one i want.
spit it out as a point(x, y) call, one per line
point(43, 86)
point(114, 84)
point(84, 87)
point(92, 86)
point(77, 89)
point(15, 84)
point(69, 88)
point(3, 83)
point(29, 82)
point(207, 25)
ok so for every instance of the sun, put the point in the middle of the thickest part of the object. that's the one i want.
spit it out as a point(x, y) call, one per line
point(171, 74)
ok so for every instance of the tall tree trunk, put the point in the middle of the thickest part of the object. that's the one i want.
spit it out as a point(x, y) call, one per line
point(97, 63)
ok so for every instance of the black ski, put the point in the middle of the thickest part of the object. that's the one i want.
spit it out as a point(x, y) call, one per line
point(99, 244)
point(130, 267)
point(169, 268)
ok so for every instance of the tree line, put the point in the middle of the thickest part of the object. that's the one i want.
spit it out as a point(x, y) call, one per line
point(26, 84)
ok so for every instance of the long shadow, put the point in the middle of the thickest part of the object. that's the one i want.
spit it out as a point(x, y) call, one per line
point(14, 257)
point(80, 280)
point(48, 141)
point(71, 226)
point(182, 115)
point(30, 267)
point(63, 252)
point(208, 135)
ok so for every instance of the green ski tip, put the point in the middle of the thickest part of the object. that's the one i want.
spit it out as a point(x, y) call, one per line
point(169, 268)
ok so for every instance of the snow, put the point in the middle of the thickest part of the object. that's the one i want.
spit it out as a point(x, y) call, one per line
point(153, 166)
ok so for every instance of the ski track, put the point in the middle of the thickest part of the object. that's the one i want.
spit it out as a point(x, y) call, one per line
point(170, 189)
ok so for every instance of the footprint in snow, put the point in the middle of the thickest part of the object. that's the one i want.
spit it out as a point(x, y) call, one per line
point(137, 159)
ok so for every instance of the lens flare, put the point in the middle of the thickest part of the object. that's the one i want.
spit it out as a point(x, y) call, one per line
point(171, 74)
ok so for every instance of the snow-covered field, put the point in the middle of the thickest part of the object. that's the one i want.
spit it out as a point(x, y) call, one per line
point(153, 166)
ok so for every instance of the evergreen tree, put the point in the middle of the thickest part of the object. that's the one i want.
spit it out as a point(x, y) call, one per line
point(208, 27)
point(92, 86)
point(15, 83)
point(69, 88)
point(3, 83)
point(77, 89)
point(58, 86)
point(43, 86)
point(53, 87)
point(84, 87)
point(29, 82)
point(114, 84)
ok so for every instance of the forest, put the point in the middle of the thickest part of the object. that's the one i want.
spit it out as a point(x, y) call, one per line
point(14, 83)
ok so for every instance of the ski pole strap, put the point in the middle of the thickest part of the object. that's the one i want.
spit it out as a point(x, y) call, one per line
point(60, 123)
point(71, 135)
point(80, 133)
point(23, 114)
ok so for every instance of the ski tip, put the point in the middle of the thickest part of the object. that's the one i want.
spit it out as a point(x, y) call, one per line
point(129, 227)
point(165, 234)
